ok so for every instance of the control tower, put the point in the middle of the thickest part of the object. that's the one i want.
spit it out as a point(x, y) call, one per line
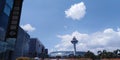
point(74, 42)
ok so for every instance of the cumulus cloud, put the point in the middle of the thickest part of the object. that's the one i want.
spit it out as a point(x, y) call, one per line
point(76, 11)
point(28, 27)
point(107, 39)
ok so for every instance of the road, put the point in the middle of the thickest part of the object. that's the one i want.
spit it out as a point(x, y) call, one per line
point(68, 59)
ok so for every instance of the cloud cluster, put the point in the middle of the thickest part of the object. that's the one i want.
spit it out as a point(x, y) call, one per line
point(28, 28)
point(108, 39)
point(76, 11)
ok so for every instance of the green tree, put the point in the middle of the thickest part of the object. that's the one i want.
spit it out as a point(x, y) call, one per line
point(117, 53)
point(110, 54)
point(102, 54)
point(99, 54)
point(105, 54)
point(89, 54)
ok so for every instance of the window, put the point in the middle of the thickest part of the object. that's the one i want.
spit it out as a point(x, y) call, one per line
point(16, 8)
point(8, 7)
point(13, 27)
point(15, 12)
point(10, 3)
point(7, 10)
point(12, 33)
point(14, 17)
point(14, 22)
point(2, 33)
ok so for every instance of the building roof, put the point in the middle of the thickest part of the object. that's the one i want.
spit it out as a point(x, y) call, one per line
point(66, 53)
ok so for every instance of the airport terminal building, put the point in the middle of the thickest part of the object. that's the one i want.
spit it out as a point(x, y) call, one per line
point(64, 54)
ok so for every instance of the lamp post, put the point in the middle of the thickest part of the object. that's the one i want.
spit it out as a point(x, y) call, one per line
point(74, 42)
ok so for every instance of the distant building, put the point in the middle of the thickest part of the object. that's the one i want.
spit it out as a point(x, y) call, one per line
point(36, 48)
point(64, 54)
point(46, 51)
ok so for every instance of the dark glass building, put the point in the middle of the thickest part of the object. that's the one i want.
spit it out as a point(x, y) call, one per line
point(5, 8)
point(36, 48)
point(9, 51)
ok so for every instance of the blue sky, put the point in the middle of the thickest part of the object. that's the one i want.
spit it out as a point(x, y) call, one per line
point(90, 21)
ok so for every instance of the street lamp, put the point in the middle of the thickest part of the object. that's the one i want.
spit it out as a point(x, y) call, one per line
point(74, 42)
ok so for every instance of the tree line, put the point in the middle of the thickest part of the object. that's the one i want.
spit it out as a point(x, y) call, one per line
point(103, 54)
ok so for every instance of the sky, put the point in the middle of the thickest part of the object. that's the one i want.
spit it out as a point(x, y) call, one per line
point(94, 23)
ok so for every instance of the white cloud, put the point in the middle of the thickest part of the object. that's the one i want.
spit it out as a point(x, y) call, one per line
point(108, 39)
point(76, 11)
point(28, 27)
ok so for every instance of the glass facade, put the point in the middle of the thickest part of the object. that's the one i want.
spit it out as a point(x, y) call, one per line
point(2, 34)
point(8, 7)
point(20, 49)
point(7, 49)
point(2, 3)
point(5, 8)
point(10, 3)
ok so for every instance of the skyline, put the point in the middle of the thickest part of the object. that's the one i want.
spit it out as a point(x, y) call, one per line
point(95, 24)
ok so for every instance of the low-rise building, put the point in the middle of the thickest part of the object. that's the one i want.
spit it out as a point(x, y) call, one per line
point(36, 48)
point(64, 54)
